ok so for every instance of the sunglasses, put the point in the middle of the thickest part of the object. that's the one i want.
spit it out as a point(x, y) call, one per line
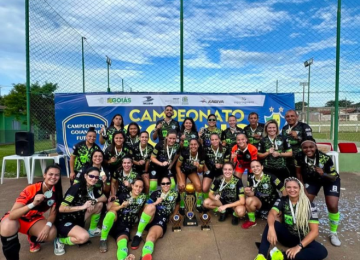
point(212, 120)
point(93, 176)
point(165, 183)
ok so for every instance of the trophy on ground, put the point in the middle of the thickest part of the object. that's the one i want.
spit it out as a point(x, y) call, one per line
point(190, 200)
point(176, 222)
point(205, 219)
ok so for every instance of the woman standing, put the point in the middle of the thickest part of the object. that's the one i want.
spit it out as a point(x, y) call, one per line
point(163, 157)
point(273, 151)
point(155, 217)
point(227, 193)
point(298, 230)
point(190, 163)
point(82, 152)
point(26, 215)
point(116, 125)
point(215, 157)
point(261, 193)
point(132, 135)
point(316, 169)
point(188, 131)
point(81, 201)
point(122, 216)
point(205, 133)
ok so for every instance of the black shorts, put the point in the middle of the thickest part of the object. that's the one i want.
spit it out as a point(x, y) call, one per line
point(64, 226)
point(187, 172)
point(330, 188)
point(158, 221)
point(265, 206)
point(159, 172)
point(213, 174)
point(120, 228)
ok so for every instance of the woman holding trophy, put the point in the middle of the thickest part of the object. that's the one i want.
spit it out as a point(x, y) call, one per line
point(116, 125)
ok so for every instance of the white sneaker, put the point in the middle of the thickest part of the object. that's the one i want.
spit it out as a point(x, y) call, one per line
point(334, 239)
point(95, 233)
point(59, 248)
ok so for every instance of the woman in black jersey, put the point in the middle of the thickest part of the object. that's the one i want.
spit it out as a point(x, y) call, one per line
point(188, 131)
point(97, 160)
point(117, 151)
point(116, 125)
point(190, 162)
point(298, 229)
point(141, 155)
point(132, 135)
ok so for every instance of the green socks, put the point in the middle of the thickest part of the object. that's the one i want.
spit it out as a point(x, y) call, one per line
point(251, 216)
point(206, 195)
point(148, 248)
point(122, 250)
point(153, 186)
point(235, 215)
point(334, 219)
point(66, 241)
point(182, 200)
point(199, 199)
point(108, 222)
point(94, 221)
point(173, 184)
point(144, 220)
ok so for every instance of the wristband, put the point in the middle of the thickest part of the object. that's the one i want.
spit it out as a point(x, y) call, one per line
point(31, 205)
point(301, 245)
point(49, 224)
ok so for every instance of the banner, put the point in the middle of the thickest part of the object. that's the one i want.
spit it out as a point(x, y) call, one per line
point(75, 113)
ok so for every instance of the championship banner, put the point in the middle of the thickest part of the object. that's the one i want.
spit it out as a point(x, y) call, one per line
point(75, 113)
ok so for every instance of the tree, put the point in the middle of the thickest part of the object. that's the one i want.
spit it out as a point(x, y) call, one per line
point(298, 105)
point(15, 102)
point(342, 103)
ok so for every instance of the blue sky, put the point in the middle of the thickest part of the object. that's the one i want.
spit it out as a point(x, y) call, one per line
point(230, 46)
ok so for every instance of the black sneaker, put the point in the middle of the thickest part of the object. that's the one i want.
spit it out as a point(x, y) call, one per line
point(222, 217)
point(182, 211)
point(200, 209)
point(235, 221)
point(135, 242)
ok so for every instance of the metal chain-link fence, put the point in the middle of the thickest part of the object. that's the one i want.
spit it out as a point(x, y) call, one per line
point(229, 46)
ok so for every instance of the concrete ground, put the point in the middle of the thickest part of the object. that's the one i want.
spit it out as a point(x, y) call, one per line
point(223, 241)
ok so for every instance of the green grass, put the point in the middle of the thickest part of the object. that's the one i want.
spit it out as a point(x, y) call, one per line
point(342, 137)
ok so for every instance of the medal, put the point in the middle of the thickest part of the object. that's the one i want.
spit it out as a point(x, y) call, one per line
point(215, 154)
point(48, 194)
point(117, 153)
point(192, 159)
point(256, 182)
point(141, 151)
point(169, 154)
point(273, 143)
point(288, 131)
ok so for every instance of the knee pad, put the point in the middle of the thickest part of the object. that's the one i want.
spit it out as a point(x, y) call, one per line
point(11, 247)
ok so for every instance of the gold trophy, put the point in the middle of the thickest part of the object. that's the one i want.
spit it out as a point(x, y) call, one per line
point(176, 222)
point(190, 199)
point(205, 219)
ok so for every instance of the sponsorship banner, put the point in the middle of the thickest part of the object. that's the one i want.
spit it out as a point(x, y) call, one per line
point(75, 113)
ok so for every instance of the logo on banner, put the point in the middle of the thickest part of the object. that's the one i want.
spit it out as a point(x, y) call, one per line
point(173, 101)
point(278, 117)
point(148, 100)
point(119, 100)
point(185, 100)
point(212, 101)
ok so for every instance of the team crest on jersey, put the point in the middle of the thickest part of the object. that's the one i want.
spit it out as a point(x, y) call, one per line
point(278, 142)
point(170, 198)
point(248, 156)
point(67, 224)
point(265, 186)
point(193, 136)
point(153, 172)
point(232, 186)
point(50, 202)
point(277, 116)
point(173, 127)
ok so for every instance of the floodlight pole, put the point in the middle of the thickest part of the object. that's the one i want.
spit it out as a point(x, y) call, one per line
point(303, 101)
point(83, 61)
point(108, 62)
point(27, 40)
point(181, 45)
point(308, 64)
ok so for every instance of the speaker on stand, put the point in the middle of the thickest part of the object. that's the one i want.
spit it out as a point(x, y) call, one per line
point(24, 143)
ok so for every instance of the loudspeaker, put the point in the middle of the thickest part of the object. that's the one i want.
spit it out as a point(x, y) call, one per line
point(24, 143)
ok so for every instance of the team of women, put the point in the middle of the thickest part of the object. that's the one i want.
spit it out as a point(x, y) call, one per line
point(284, 168)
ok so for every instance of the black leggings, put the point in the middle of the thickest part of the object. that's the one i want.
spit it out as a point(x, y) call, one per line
point(313, 251)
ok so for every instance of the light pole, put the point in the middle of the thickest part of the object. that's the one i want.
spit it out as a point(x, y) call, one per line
point(108, 62)
point(83, 62)
point(303, 101)
point(308, 64)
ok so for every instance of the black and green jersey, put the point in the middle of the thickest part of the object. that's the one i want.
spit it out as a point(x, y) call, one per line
point(229, 191)
point(109, 133)
point(167, 206)
point(139, 155)
point(251, 132)
point(160, 152)
point(125, 152)
point(283, 205)
point(267, 188)
point(132, 142)
point(308, 166)
point(187, 161)
point(214, 156)
point(280, 144)
point(229, 136)
point(83, 154)
point(130, 214)
point(77, 196)
point(206, 136)
point(166, 127)
point(121, 176)
point(303, 132)
point(188, 137)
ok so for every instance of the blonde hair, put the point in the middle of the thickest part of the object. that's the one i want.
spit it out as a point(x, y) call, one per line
point(272, 121)
point(303, 208)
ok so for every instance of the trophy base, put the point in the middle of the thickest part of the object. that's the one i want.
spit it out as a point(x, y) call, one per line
point(190, 222)
point(176, 229)
point(205, 228)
